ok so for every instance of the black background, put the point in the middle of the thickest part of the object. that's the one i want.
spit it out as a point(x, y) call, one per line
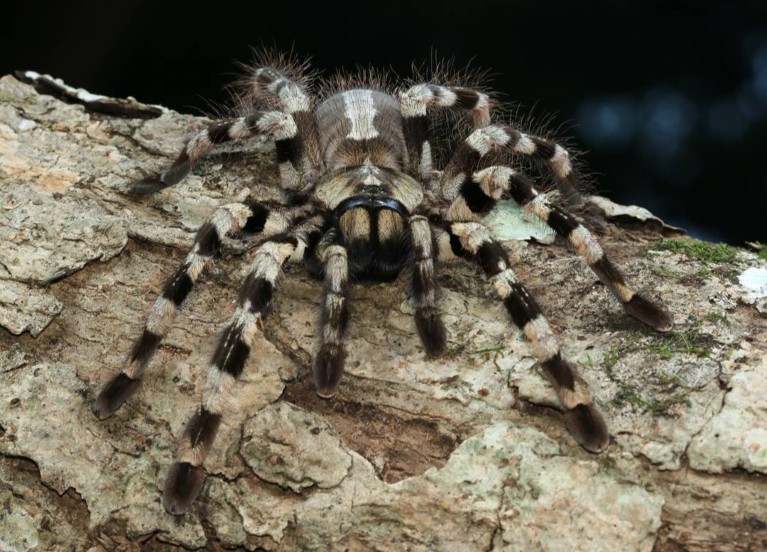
point(669, 99)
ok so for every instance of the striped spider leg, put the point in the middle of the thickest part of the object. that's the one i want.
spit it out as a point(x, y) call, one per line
point(583, 420)
point(423, 295)
point(249, 218)
point(237, 134)
point(414, 103)
point(293, 129)
point(186, 476)
point(474, 194)
point(469, 237)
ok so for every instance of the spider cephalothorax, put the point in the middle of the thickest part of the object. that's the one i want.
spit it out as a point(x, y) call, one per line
point(364, 201)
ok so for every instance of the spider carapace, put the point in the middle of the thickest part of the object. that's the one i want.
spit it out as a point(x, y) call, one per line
point(363, 200)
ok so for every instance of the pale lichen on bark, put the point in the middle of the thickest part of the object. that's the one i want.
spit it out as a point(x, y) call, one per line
point(462, 453)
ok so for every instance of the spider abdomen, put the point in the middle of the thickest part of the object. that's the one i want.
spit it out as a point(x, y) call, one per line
point(360, 125)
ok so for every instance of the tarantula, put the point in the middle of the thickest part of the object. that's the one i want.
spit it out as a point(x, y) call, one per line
point(363, 200)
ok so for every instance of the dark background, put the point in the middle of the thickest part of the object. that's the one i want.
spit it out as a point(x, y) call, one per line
point(669, 99)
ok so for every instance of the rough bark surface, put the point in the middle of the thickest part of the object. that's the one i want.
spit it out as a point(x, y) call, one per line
point(468, 452)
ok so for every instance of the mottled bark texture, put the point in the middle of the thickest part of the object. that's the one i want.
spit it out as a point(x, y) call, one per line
point(464, 452)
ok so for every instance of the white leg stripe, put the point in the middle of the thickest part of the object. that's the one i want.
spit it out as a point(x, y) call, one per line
point(218, 390)
point(336, 267)
point(239, 130)
point(199, 146)
point(248, 323)
point(525, 145)
point(413, 101)
point(289, 177)
point(484, 139)
point(425, 166)
point(502, 282)
point(472, 235)
point(196, 265)
point(586, 244)
point(269, 259)
point(419, 227)
point(494, 180)
point(540, 207)
point(293, 98)
point(481, 113)
point(444, 248)
point(561, 162)
point(539, 334)
point(278, 124)
point(446, 97)
point(275, 223)
point(452, 186)
point(161, 316)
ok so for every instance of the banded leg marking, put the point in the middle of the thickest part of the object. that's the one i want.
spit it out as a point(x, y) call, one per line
point(294, 100)
point(582, 418)
point(251, 218)
point(413, 105)
point(424, 289)
point(233, 135)
point(334, 320)
point(492, 183)
point(484, 140)
point(186, 476)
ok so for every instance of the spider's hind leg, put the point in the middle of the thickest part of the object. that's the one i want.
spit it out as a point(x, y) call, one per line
point(229, 135)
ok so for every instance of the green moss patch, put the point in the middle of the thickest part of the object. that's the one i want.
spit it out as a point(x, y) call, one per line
point(664, 390)
point(700, 250)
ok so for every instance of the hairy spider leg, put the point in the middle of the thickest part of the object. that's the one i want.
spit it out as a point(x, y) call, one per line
point(329, 362)
point(424, 288)
point(239, 134)
point(186, 476)
point(478, 196)
point(415, 122)
point(293, 99)
point(249, 218)
point(583, 420)
point(492, 138)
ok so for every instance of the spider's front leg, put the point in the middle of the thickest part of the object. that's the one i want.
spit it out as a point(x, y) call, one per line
point(186, 476)
point(582, 418)
point(334, 319)
point(249, 218)
point(329, 362)
point(424, 288)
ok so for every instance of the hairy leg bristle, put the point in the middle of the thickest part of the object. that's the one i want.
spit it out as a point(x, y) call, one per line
point(113, 395)
point(432, 332)
point(328, 369)
point(646, 311)
point(182, 487)
point(587, 426)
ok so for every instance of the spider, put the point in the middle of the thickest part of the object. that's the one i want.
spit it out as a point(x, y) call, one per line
point(363, 200)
